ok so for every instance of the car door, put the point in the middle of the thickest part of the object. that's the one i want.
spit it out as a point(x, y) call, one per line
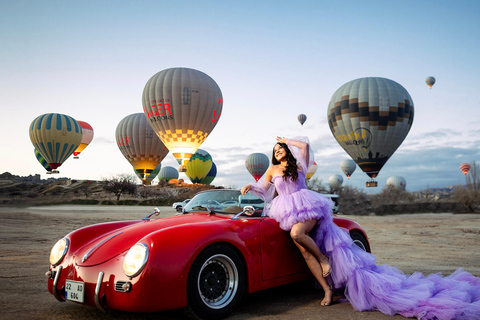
point(280, 256)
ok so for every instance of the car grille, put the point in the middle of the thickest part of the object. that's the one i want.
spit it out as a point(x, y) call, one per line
point(119, 286)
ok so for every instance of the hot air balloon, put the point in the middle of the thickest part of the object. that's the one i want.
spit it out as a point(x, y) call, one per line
point(370, 118)
point(335, 181)
point(42, 161)
point(198, 166)
point(168, 173)
point(183, 106)
point(87, 137)
point(149, 178)
point(55, 136)
point(139, 144)
point(430, 81)
point(311, 171)
point(348, 167)
point(210, 175)
point(397, 182)
point(257, 164)
point(302, 118)
point(465, 167)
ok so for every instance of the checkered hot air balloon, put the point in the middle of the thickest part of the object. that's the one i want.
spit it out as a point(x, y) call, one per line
point(183, 106)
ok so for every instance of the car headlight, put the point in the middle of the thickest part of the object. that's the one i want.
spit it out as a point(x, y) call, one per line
point(59, 251)
point(135, 260)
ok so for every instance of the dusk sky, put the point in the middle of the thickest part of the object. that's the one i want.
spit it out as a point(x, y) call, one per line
point(272, 60)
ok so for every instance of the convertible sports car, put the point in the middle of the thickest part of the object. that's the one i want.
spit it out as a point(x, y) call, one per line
point(202, 260)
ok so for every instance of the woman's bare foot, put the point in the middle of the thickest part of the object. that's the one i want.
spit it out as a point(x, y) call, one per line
point(325, 263)
point(327, 299)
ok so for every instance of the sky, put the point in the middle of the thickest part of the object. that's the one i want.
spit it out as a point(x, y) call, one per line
point(272, 60)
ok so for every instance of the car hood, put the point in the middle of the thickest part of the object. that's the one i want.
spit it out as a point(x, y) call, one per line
point(113, 243)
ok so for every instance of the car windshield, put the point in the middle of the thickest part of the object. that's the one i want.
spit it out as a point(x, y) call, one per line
point(224, 202)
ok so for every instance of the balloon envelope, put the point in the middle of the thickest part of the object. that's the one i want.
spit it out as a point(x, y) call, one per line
point(311, 171)
point(397, 182)
point(183, 106)
point(147, 180)
point(139, 144)
point(168, 173)
point(370, 118)
point(302, 118)
point(87, 137)
point(348, 167)
point(210, 175)
point(55, 136)
point(465, 167)
point(335, 180)
point(430, 81)
point(257, 164)
point(198, 166)
point(42, 161)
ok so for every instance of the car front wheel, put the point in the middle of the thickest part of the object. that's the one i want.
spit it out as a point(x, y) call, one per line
point(215, 283)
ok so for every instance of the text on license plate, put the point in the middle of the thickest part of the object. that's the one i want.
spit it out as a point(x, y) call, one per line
point(74, 290)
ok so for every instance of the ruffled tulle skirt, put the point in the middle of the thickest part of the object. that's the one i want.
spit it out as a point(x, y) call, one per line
point(369, 286)
point(300, 206)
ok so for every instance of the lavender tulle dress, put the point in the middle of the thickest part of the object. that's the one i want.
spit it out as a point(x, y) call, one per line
point(368, 286)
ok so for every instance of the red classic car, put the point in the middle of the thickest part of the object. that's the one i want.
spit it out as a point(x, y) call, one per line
point(202, 260)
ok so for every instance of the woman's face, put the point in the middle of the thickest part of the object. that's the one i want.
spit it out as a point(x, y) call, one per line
point(279, 152)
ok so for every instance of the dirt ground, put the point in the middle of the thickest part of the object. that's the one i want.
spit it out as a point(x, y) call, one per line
point(427, 243)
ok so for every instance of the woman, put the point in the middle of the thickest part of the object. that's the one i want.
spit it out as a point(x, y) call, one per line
point(367, 286)
point(302, 205)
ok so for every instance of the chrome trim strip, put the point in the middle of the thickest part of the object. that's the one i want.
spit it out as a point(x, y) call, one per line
point(89, 253)
point(56, 292)
point(97, 292)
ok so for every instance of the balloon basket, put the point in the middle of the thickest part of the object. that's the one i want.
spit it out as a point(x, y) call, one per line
point(371, 183)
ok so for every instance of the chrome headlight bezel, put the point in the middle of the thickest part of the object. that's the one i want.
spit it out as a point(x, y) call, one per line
point(59, 251)
point(135, 260)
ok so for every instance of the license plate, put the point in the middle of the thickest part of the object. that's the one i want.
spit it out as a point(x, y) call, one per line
point(74, 290)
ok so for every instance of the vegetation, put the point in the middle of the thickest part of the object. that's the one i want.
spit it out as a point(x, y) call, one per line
point(469, 196)
point(120, 184)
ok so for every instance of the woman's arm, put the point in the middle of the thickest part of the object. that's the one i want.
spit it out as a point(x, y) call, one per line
point(302, 146)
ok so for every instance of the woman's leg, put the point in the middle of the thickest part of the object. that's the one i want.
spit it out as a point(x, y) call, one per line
point(312, 255)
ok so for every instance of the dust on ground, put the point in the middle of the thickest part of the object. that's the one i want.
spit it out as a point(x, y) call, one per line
point(427, 243)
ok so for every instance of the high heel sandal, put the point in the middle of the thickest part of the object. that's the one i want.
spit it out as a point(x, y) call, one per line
point(329, 270)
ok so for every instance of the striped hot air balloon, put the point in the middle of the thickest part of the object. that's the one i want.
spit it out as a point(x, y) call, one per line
point(465, 167)
point(42, 161)
point(257, 164)
point(147, 180)
point(87, 137)
point(370, 118)
point(302, 118)
point(183, 106)
point(139, 144)
point(198, 166)
point(55, 136)
point(210, 175)
point(168, 173)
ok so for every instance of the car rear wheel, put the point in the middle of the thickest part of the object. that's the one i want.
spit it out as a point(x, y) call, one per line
point(360, 240)
point(179, 208)
point(215, 283)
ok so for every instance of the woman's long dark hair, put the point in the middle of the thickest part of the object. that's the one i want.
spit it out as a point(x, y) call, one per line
point(291, 168)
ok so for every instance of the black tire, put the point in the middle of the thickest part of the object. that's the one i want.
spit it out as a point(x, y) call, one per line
point(179, 208)
point(360, 240)
point(215, 284)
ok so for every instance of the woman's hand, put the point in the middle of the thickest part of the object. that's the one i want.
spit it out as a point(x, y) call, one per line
point(245, 189)
point(282, 140)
